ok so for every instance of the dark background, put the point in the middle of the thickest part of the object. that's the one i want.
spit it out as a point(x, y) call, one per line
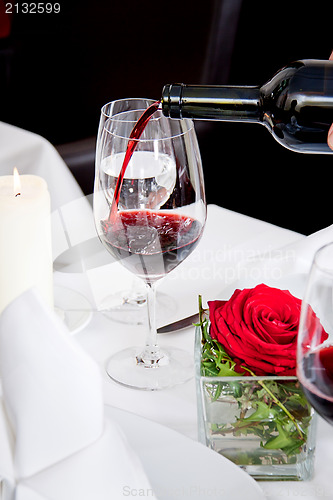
point(57, 70)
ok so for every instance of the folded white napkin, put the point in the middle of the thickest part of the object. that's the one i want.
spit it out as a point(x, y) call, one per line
point(305, 249)
point(55, 442)
point(294, 258)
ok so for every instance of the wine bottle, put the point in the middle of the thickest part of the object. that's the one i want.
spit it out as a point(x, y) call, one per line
point(296, 104)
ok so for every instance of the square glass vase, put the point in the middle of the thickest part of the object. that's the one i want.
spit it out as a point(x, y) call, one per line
point(238, 418)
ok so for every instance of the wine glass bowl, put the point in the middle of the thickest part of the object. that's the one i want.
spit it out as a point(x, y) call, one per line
point(315, 340)
point(151, 177)
point(150, 221)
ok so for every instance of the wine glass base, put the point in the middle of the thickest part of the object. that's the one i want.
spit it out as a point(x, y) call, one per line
point(172, 367)
point(125, 308)
point(131, 309)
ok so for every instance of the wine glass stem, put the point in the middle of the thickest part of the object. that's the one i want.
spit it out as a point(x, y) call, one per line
point(152, 356)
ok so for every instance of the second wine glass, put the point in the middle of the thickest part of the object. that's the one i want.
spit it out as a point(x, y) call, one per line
point(156, 223)
point(315, 337)
point(126, 306)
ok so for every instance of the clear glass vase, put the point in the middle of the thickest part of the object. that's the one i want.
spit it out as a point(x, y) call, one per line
point(262, 424)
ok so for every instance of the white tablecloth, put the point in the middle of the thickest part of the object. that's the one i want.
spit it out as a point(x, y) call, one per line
point(229, 240)
point(32, 154)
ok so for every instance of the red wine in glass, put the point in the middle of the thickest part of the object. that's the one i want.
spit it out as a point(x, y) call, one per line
point(151, 244)
point(318, 381)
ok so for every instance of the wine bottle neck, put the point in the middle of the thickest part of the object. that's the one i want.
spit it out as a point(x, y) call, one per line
point(226, 103)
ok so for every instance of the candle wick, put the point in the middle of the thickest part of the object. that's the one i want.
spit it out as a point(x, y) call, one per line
point(17, 194)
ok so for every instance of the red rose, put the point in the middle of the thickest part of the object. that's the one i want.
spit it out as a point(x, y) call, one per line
point(259, 327)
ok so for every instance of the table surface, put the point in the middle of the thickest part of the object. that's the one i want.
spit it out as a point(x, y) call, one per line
point(215, 264)
point(230, 240)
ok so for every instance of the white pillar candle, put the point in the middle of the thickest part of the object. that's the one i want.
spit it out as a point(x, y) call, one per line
point(25, 238)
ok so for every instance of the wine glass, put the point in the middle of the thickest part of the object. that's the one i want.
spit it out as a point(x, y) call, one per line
point(315, 335)
point(156, 224)
point(125, 306)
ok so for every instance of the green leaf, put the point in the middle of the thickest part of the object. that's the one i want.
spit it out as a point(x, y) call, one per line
point(237, 389)
point(294, 448)
point(226, 369)
point(283, 440)
point(209, 370)
point(263, 412)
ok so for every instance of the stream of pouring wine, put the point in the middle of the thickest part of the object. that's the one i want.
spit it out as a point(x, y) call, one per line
point(131, 146)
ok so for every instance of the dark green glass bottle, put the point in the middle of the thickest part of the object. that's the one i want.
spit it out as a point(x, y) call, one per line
point(296, 104)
